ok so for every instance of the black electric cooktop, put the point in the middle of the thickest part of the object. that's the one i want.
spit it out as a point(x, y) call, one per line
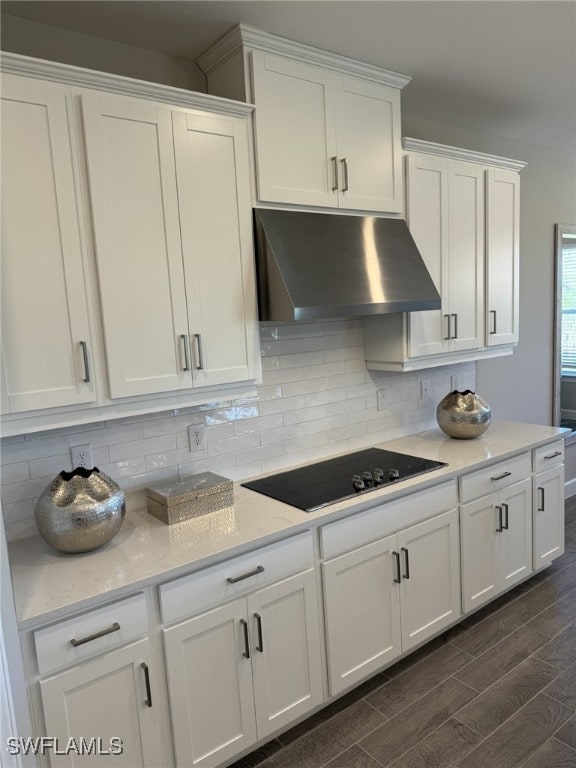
point(343, 477)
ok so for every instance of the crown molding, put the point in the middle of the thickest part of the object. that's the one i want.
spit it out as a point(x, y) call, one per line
point(243, 36)
point(79, 77)
point(457, 153)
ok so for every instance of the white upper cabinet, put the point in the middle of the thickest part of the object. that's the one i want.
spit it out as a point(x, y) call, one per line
point(47, 351)
point(326, 129)
point(136, 230)
point(127, 247)
point(502, 255)
point(323, 139)
point(212, 168)
point(463, 213)
point(170, 201)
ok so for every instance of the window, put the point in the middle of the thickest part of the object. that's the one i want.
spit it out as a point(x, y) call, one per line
point(568, 354)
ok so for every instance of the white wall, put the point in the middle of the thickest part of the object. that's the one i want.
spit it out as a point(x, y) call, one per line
point(44, 41)
point(520, 387)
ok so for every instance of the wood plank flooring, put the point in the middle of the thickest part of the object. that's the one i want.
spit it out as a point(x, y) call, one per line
point(497, 691)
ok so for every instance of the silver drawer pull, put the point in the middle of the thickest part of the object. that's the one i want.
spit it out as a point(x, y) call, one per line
point(114, 628)
point(553, 455)
point(502, 476)
point(255, 572)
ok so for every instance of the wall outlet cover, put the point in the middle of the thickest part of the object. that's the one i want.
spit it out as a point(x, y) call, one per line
point(82, 456)
point(196, 437)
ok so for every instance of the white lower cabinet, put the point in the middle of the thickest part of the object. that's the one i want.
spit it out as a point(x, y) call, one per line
point(389, 596)
point(496, 535)
point(548, 516)
point(243, 670)
point(105, 705)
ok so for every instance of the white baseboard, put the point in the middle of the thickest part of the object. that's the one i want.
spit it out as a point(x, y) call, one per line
point(569, 488)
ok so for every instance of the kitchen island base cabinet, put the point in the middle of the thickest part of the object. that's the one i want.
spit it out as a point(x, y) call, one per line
point(240, 672)
point(387, 597)
point(109, 702)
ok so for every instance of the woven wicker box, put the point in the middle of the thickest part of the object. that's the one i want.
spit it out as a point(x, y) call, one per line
point(197, 495)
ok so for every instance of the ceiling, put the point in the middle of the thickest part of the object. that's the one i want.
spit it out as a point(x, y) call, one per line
point(503, 67)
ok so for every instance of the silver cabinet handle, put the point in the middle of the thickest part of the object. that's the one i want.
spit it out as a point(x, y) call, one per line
point(447, 337)
point(256, 571)
point(344, 162)
point(540, 499)
point(148, 700)
point(260, 646)
point(246, 651)
point(493, 317)
point(114, 628)
point(186, 350)
point(455, 327)
point(398, 577)
point(506, 520)
point(84, 347)
point(334, 173)
point(198, 339)
point(502, 476)
point(553, 455)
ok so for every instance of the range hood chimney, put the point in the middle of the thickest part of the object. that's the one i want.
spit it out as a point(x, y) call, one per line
point(314, 266)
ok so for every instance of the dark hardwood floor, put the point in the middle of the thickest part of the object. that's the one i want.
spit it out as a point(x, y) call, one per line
point(497, 691)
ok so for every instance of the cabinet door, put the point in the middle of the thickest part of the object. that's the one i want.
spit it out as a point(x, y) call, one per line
point(430, 567)
point(136, 231)
point(210, 686)
point(215, 218)
point(368, 146)
point(502, 255)
point(516, 539)
point(548, 520)
point(105, 700)
point(427, 215)
point(294, 130)
point(45, 326)
point(466, 255)
point(479, 552)
point(362, 609)
point(286, 659)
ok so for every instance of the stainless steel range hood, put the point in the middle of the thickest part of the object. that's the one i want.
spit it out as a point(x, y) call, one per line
point(316, 265)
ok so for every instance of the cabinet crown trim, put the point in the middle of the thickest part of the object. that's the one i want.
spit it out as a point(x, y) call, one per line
point(457, 153)
point(246, 36)
point(27, 66)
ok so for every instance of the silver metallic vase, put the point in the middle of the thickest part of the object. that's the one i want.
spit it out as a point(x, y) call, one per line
point(80, 510)
point(463, 414)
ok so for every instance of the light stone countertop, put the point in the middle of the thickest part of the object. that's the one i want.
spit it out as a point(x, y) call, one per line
point(49, 585)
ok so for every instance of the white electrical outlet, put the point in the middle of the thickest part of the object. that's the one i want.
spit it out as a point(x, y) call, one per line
point(82, 456)
point(425, 389)
point(196, 437)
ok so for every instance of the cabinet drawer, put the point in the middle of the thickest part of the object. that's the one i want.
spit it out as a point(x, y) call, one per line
point(494, 477)
point(190, 594)
point(357, 530)
point(548, 456)
point(92, 633)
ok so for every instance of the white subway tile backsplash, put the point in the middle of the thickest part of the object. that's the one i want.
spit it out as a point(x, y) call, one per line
point(316, 400)
point(325, 397)
point(15, 473)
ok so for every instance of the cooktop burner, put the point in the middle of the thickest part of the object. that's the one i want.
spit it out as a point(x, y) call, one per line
point(343, 477)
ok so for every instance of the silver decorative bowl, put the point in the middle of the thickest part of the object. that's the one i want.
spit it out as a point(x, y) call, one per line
point(80, 510)
point(463, 415)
